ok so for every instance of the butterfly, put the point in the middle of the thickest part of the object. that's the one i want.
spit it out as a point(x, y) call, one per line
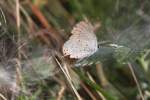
point(82, 42)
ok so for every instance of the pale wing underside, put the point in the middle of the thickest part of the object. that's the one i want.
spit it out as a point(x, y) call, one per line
point(83, 27)
point(82, 43)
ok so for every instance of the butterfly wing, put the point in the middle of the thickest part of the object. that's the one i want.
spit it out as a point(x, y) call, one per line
point(82, 43)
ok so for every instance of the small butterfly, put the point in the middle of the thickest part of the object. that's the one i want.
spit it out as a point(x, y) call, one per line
point(83, 41)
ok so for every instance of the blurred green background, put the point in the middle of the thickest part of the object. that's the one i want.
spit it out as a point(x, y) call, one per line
point(36, 36)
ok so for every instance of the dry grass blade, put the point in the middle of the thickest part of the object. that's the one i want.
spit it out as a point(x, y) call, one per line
point(136, 81)
point(18, 73)
point(2, 97)
point(18, 14)
point(68, 78)
point(3, 15)
point(62, 90)
point(101, 75)
point(88, 91)
point(99, 93)
point(18, 24)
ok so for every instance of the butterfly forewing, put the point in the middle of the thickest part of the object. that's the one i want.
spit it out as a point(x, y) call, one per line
point(82, 43)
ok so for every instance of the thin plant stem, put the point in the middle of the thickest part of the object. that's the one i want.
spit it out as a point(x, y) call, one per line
point(136, 81)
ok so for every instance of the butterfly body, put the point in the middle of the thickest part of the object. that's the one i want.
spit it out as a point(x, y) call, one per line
point(82, 43)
